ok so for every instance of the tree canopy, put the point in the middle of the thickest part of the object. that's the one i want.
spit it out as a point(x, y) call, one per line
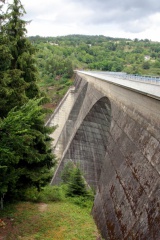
point(97, 53)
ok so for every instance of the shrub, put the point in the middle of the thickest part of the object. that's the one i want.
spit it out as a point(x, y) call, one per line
point(47, 194)
point(51, 193)
point(146, 65)
point(82, 201)
point(31, 194)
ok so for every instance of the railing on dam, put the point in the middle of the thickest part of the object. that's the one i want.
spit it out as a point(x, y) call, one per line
point(135, 77)
point(147, 85)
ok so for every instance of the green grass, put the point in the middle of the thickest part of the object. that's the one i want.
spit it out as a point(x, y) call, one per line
point(57, 221)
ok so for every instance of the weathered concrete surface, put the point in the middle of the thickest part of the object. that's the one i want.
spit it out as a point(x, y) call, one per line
point(113, 133)
point(59, 118)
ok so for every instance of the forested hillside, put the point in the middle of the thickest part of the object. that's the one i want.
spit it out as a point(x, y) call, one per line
point(57, 55)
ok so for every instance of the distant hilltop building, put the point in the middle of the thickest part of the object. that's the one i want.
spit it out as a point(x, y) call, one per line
point(51, 43)
point(147, 58)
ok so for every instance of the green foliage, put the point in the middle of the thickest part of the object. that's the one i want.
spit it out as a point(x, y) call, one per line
point(82, 201)
point(51, 194)
point(146, 65)
point(94, 52)
point(12, 91)
point(67, 172)
point(76, 184)
point(57, 193)
point(31, 194)
point(47, 194)
point(20, 61)
point(57, 220)
point(25, 148)
point(5, 55)
point(12, 84)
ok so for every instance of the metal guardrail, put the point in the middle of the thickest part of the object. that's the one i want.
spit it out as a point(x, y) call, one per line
point(135, 77)
point(149, 85)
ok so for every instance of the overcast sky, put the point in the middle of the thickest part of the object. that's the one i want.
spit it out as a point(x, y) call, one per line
point(114, 18)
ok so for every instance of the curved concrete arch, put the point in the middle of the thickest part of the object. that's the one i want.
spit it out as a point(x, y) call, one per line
point(113, 134)
point(88, 146)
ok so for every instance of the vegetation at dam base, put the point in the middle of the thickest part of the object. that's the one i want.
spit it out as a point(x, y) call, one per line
point(53, 220)
point(56, 212)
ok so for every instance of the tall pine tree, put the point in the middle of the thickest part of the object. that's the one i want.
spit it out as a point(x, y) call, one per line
point(21, 49)
point(17, 66)
point(8, 89)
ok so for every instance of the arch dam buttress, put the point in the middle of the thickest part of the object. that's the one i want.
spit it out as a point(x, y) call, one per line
point(113, 133)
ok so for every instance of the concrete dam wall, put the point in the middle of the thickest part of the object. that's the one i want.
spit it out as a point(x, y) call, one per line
point(113, 134)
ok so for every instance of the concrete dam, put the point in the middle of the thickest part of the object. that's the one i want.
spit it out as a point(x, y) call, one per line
point(109, 124)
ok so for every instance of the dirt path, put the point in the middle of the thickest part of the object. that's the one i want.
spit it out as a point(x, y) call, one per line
point(9, 222)
point(42, 207)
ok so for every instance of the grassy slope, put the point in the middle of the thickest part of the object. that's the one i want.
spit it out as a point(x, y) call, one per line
point(52, 221)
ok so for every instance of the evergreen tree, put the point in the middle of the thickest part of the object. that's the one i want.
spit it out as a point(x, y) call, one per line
point(8, 88)
point(25, 149)
point(17, 66)
point(12, 85)
point(76, 186)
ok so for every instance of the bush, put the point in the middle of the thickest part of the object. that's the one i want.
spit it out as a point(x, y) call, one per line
point(146, 65)
point(31, 194)
point(82, 201)
point(51, 194)
point(73, 187)
point(47, 194)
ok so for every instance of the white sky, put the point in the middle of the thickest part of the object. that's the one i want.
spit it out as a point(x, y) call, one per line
point(114, 18)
